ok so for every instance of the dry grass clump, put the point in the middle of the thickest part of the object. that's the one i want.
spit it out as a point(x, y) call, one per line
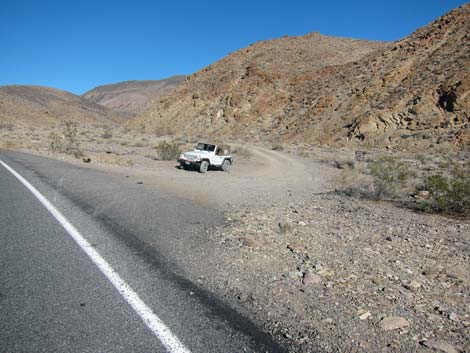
point(168, 151)
point(107, 133)
point(7, 126)
point(8, 145)
point(163, 131)
point(66, 141)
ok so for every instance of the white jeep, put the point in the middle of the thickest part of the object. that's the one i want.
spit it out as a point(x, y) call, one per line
point(205, 155)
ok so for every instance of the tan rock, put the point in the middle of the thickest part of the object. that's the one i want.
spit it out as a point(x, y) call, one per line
point(311, 278)
point(440, 346)
point(394, 323)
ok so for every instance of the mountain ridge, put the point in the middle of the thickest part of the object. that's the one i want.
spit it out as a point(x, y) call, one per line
point(133, 96)
point(409, 94)
point(35, 105)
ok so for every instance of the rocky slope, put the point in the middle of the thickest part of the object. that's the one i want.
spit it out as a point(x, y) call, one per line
point(132, 96)
point(410, 94)
point(37, 105)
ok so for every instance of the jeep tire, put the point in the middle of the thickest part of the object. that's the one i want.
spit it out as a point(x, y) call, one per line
point(203, 167)
point(226, 165)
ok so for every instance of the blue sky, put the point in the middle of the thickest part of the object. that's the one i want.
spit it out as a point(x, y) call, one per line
point(77, 45)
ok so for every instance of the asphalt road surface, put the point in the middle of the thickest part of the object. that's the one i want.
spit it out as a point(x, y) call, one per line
point(55, 297)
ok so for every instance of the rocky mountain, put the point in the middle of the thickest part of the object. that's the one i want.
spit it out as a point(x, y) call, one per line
point(37, 105)
point(411, 94)
point(132, 96)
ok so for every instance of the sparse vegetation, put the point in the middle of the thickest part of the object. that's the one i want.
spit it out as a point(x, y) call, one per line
point(168, 151)
point(8, 145)
point(389, 177)
point(66, 142)
point(7, 126)
point(342, 164)
point(163, 131)
point(107, 133)
point(448, 193)
point(350, 182)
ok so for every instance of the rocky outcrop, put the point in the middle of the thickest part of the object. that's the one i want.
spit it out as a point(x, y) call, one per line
point(411, 94)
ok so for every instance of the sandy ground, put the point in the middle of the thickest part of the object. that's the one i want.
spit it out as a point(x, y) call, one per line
point(263, 177)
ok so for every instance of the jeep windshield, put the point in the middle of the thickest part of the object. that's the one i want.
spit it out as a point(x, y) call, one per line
point(205, 147)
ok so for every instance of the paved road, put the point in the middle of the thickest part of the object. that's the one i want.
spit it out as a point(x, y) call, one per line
point(53, 298)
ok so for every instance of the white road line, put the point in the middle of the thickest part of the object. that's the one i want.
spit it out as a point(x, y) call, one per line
point(153, 322)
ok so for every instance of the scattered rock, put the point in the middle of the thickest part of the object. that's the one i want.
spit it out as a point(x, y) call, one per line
point(454, 317)
point(424, 194)
point(295, 247)
point(439, 346)
point(251, 242)
point(365, 315)
point(284, 228)
point(413, 285)
point(394, 323)
point(431, 272)
point(311, 278)
point(326, 272)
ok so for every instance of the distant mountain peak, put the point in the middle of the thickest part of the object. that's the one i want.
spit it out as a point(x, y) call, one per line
point(132, 96)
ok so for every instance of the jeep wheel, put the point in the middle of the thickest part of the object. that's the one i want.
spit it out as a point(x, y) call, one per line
point(226, 165)
point(203, 167)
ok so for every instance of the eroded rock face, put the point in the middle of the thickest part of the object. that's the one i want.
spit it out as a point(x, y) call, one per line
point(413, 93)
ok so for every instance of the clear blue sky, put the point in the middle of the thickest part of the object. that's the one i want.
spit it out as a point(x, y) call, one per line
point(77, 45)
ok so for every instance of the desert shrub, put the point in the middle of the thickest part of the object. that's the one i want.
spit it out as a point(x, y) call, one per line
point(168, 151)
point(448, 193)
point(389, 177)
point(163, 131)
point(56, 143)
point(350, 182)
point(7, 126)
point(342, 164)
point(107, 133)
point(66, 142)
point(8, 145)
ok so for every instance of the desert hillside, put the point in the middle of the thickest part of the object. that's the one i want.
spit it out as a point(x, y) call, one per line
point(410, 94)
point(37, 105)
point(132, 96)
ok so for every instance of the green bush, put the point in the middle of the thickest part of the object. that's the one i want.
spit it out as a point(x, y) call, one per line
point(168, 151)
point(448, 193)
point(389, 177)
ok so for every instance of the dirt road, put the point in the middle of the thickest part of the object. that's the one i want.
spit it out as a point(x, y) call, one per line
point(263, 177)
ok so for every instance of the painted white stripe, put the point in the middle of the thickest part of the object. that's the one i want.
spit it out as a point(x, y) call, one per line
point(153, 322)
